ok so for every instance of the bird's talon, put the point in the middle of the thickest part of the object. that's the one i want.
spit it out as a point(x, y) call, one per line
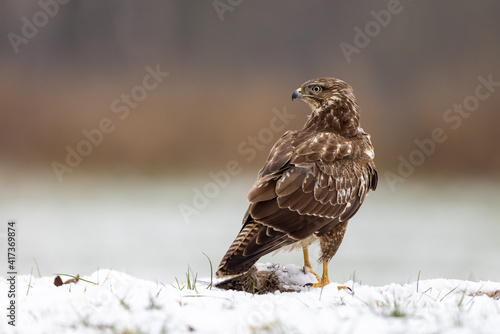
point(310, 270)
point(321, 283)
point(343, 287)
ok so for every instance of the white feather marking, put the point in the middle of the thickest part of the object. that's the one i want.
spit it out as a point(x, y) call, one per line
point(341, 199)
point(332, 101)
point(370, 153)
point(362, 180)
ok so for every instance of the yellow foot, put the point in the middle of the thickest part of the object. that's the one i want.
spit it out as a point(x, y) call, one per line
point(322, 282)
point(310, 270)
point(343, 287)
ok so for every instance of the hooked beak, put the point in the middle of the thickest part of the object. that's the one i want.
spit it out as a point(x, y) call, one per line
point(297, 94)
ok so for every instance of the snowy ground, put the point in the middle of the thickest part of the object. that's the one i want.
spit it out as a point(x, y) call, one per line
point(119, 303)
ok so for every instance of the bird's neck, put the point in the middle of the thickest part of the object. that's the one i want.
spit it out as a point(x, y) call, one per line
point(337, 116)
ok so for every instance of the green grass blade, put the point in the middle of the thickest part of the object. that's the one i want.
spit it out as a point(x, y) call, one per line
point(211, 272)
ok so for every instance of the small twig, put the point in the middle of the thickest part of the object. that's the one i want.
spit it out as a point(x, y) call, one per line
point(29, 283)
point(77, 278)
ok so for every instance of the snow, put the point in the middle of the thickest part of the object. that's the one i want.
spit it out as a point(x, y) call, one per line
point(120, 303)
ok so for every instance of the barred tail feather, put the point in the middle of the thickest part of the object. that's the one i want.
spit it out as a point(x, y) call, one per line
point(237, 247)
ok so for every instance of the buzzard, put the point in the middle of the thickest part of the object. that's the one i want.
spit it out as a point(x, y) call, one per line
point(312, 183)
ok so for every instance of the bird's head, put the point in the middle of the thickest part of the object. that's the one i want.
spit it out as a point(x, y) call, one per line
point(323, 92)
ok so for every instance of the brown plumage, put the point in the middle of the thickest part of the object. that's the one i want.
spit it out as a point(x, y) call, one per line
point(312, 183)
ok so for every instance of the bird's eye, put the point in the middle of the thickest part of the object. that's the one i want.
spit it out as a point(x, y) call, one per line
point(316, 89)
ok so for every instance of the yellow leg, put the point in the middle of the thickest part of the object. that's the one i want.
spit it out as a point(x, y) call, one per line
point(307, 263)
point(324, 280)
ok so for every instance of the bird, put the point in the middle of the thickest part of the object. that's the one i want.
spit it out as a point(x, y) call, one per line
point(312, 183)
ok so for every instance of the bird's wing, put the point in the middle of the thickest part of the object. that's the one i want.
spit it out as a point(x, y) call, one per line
point(279, 156)
point(322, 180)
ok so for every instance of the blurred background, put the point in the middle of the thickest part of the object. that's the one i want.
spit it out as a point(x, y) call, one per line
point(130, 132)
